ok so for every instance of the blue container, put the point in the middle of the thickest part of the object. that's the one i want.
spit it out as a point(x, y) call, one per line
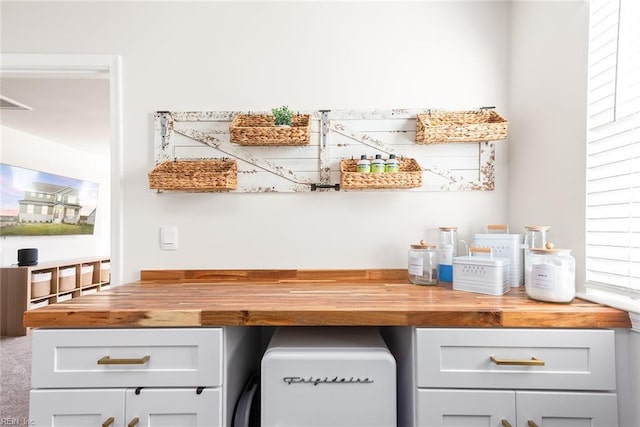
point(445, 273)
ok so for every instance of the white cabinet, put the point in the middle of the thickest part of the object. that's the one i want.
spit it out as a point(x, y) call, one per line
point(464, 408)
point(154, 407)
point(558, 409)
point(505, 377)
point(140, 376)
point(468, 408)
point(76, 408)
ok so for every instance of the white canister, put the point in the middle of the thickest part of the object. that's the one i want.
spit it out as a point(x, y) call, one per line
point(551, 275)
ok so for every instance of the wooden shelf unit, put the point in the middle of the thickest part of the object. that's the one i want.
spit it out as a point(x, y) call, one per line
point(16, 287)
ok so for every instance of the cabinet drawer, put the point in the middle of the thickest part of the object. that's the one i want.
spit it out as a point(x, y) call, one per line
point(573, 359)
point(127, 357)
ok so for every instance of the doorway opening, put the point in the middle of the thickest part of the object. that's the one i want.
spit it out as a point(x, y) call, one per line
point(101, 66)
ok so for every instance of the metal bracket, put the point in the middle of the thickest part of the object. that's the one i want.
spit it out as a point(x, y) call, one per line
point(314, 187)
point(324, 128)
point(163, 127)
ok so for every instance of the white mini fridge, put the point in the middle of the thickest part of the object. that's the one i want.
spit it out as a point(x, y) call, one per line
point(328, 377)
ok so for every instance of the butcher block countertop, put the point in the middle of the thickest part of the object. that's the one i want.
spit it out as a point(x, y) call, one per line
point(193, 298)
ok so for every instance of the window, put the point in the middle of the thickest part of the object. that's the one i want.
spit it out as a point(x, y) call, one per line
point(613, 154)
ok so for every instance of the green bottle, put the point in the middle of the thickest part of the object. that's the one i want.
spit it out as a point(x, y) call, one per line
point(377, 165)
point(363, 165)
point(392, 165)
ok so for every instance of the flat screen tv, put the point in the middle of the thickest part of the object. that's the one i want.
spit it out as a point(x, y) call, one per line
point(36, 203)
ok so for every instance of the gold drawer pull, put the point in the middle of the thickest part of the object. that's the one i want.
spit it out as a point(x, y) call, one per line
point(530, 423)
point(522, 362)
point(108, 422)
point(506, 423)
point(134, 422)
point(107, 360)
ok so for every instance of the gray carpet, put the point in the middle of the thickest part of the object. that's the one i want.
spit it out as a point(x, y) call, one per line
point(15, 378)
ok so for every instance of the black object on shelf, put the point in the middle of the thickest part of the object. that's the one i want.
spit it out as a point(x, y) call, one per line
point(27, 257)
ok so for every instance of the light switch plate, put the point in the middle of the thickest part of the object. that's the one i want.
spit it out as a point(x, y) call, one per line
point(169, 237)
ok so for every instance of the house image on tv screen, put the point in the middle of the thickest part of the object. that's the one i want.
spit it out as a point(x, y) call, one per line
point(51, 203)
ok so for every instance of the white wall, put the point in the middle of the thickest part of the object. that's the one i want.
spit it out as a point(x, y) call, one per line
point(28, 151)
point(225, 56)
point(547, 99)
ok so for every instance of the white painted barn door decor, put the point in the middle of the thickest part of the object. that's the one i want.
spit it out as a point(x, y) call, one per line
point(335, 135)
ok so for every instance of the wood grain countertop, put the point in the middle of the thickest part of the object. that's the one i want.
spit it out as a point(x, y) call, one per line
point(194, 298)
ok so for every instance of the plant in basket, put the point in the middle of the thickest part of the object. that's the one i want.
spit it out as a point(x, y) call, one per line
point(282, 116)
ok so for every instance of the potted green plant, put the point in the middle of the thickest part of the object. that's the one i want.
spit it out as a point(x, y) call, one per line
point(282, 116)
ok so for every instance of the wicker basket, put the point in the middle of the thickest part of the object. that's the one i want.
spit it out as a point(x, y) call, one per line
point(195, 175)
point(460, 126)
point(409, 176)
point(259, 129)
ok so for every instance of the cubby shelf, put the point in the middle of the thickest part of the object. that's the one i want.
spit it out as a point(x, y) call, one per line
point(30, 287)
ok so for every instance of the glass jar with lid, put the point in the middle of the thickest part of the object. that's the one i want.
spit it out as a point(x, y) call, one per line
point(423, 263)
point(447, 250)
point(536, 236)
point(551, 275)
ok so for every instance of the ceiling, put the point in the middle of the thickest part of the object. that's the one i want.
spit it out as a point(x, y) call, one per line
point(67, 110)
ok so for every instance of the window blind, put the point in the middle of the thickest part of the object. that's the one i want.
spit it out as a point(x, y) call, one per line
point(613, 153)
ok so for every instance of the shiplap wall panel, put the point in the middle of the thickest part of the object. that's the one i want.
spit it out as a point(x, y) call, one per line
point(446, 167)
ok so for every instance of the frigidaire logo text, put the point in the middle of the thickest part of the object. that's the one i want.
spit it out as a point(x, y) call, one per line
point(326, 380)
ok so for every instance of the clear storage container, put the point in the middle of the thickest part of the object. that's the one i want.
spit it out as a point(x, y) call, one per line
point(423, 263)
point(447, 249)
point(550, 275)
point(536, 236)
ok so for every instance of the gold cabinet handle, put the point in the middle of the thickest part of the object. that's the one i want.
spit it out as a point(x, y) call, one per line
point(522, 362)
point(506, 423)
point(108, 422)
point(134, 422)
point(531, 423)
point(107, 360)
